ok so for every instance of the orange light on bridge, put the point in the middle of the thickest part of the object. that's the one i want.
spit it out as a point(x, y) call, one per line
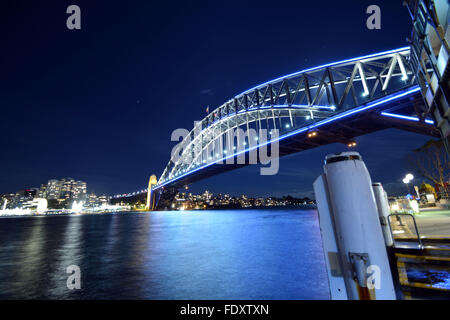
point(312, 134)
point(352, 144)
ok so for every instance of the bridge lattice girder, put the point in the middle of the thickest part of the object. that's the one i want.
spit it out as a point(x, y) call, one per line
point(289, 103)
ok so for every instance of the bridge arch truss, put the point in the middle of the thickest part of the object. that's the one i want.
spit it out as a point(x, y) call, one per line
point(285, 104)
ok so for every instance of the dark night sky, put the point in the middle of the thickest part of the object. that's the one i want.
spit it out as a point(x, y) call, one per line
point(99, 104)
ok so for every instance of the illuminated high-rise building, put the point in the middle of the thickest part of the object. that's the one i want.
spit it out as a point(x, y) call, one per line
point(80, 190)
point(53, 189)
point(67, 185)
point(43, 191)
point(64, 189)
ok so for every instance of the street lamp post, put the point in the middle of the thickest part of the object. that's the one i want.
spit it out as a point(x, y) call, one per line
point(407, 179)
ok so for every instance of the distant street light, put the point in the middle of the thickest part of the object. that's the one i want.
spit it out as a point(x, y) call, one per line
point(407, 179)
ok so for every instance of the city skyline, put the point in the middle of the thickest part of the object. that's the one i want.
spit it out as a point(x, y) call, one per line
point(68, 196)
point(71, 189)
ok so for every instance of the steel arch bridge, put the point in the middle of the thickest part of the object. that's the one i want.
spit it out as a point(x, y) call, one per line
point(381, 84)
point(335, 102)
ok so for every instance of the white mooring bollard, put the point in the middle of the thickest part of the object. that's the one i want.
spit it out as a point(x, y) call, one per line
point(383, 211)
point(353, 242)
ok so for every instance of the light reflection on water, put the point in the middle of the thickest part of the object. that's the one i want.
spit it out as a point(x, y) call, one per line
point(235, 254)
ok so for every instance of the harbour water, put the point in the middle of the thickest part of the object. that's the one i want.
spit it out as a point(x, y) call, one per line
point(223, 254)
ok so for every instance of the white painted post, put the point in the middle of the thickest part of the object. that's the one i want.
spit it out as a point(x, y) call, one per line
point(336, 281)
point(383, 212)
point(357, 230)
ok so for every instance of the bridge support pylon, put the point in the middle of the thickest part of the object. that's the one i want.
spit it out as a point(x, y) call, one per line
point(152, 197)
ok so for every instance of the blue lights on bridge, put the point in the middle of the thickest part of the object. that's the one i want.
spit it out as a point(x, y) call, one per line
point(326, 66)
point(307, 98)
point(400, 116)
point(341, 115)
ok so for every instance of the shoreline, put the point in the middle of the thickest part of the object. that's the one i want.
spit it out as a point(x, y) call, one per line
point(66, 214)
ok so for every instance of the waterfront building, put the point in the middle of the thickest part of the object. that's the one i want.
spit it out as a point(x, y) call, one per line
point(92, 200)
point(17, 199)
point(104, 199)
point(80, 190)
point(43, 191)
point(64, 189)
point(53, 189)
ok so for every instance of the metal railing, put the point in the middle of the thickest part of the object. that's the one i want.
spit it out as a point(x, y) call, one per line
point(399, 215)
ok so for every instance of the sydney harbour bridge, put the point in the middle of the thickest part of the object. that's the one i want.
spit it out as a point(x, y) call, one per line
point(405, 88)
